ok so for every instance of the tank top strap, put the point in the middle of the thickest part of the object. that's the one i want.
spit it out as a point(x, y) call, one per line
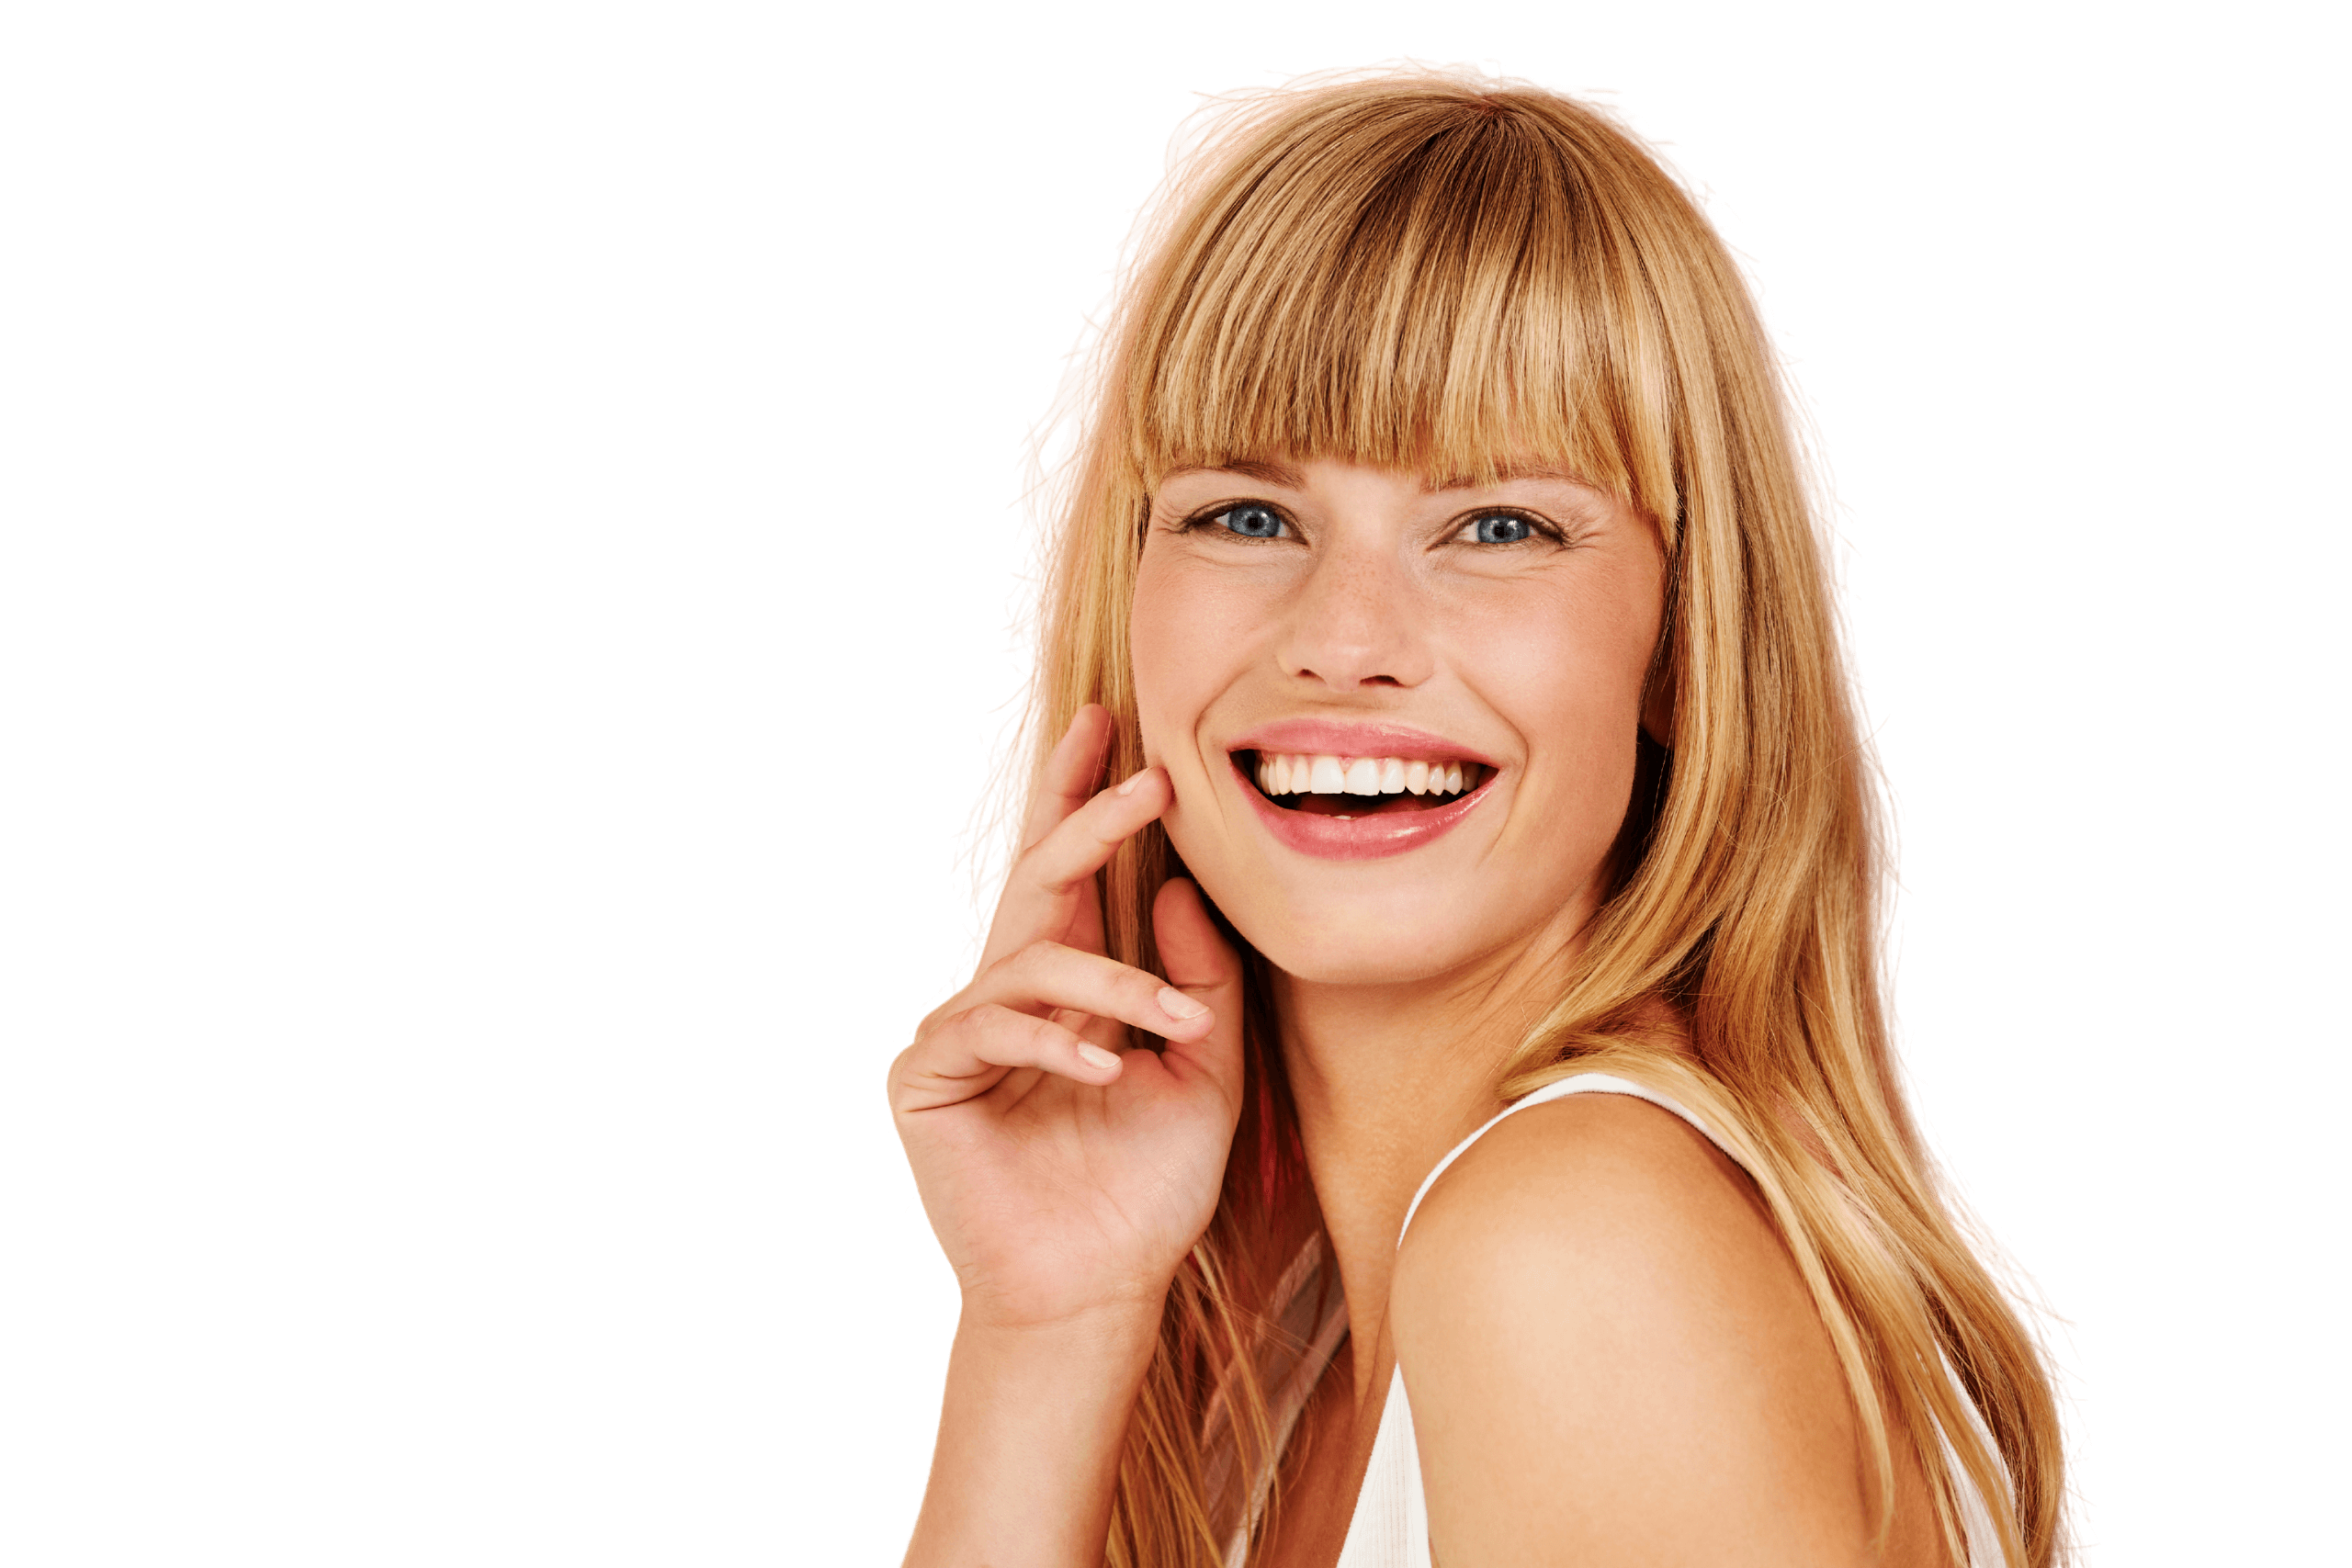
point(1560, 1088)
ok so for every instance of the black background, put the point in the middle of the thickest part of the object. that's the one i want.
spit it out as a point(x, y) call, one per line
point(1948, 233)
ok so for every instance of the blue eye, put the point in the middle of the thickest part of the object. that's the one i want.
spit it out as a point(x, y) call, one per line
point(1252, 522)
point(1501, 528)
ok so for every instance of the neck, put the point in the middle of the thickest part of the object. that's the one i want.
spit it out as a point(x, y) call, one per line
point(1387, 1078)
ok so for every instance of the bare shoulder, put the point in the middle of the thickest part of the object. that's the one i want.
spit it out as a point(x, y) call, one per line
point(1626, 1163)
point(1611, 1357)
point(1603, 1222)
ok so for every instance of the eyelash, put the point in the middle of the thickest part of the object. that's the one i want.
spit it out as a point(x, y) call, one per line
point(1211, 516)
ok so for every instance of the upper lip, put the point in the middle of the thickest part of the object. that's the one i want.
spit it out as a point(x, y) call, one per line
point(1334, 737)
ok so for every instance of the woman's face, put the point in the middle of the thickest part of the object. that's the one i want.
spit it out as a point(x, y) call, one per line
point(1318, 644)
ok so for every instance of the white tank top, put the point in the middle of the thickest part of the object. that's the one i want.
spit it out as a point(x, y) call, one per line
point(1390, 1528)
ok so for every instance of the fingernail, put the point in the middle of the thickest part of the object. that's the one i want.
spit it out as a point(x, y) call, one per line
point(1133, 779)
point(1177, 1005)
point(1096, 1057)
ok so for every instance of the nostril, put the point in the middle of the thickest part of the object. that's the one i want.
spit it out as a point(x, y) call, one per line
point(1389, 681)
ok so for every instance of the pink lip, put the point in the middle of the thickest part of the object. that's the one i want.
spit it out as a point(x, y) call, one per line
point(1323, 735)
point(1358, 838)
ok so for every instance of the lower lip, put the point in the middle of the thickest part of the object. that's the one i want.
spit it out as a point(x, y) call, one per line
point(1360, 837)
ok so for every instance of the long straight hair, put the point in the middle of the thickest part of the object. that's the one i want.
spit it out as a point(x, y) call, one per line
point(1441, 275)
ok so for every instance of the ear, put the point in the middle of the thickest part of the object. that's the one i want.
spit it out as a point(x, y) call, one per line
point(1658, 699)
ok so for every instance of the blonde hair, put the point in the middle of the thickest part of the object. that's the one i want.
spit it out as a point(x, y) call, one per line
point(1444, 274)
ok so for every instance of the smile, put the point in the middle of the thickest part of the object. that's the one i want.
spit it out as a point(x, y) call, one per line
point(1332, 806)
point(1329, 785)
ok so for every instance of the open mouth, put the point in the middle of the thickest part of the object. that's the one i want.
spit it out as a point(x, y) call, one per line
point(1324, 784)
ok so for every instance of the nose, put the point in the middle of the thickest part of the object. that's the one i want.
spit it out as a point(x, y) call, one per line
point(1356, 622)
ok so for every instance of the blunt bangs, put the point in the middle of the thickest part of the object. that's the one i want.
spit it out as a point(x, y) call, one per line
point(1431, 285)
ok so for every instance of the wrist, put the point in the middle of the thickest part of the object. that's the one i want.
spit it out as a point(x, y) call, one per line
point(1102, 1320)
point(1100, 1339)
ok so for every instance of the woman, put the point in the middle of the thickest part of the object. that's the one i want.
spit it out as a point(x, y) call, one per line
point(1465, 984)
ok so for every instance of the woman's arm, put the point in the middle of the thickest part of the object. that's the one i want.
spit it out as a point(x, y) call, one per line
point(1029, 1440)
point(1065, 1176)
point(1612, 1360)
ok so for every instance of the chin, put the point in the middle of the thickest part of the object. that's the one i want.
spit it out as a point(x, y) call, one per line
point(1440, 908)
point(1344, 941)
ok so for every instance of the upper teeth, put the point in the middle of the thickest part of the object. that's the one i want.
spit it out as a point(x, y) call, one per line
point(1300, 773)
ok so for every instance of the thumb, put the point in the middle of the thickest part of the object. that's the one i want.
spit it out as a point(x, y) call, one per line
point(1201, 964)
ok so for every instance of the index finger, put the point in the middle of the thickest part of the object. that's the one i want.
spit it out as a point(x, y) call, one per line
point(1047, 884)
point(1072, 771)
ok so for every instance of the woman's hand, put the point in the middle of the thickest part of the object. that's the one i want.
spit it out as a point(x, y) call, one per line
point(1064, 1175)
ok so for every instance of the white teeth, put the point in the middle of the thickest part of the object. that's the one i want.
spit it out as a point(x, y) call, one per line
point(1299, 772)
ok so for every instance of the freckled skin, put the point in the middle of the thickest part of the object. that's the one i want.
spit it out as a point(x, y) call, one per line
point(1380, 603)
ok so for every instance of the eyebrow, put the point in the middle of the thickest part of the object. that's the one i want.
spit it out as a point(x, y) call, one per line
point(1504, 475)
point(1266, 471)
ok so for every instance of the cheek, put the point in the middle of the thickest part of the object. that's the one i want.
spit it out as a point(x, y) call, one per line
point(1178, 619)
point(1569, 676)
